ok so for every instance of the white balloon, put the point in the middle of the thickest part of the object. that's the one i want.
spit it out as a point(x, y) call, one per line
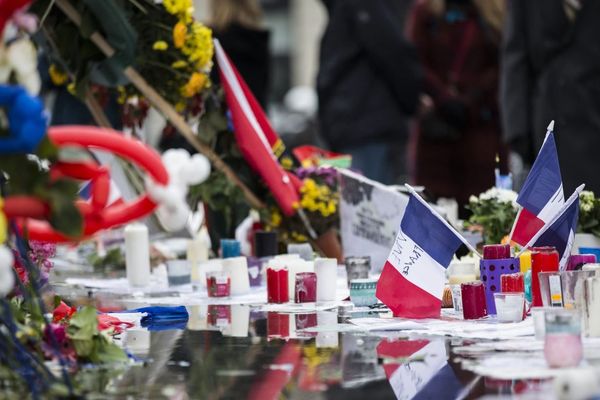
point(196, 170)
point(7, 276)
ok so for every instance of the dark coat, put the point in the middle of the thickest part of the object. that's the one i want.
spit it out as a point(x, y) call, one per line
point(465, 95)
point(368, 81)
point(249, 51)
point(551, 71)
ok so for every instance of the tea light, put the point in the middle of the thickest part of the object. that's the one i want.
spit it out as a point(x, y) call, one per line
point(525, 261)
point(576, 261)
point(306, 287)
point(137, 255)
point(218, 284)
point(473, 300)
point(178, 272)
point(326, 270)
point(496, 251)
point(357, 268)
point(362, 292)
point(237, 268)
point(509, 306)
point(230, 248)
point(277, 285)
point(543, 259)
point(591, 307)
point(562, 346)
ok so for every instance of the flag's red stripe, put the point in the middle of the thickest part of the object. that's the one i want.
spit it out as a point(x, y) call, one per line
point(527, 226)
point(400, 348)
point(404, 298)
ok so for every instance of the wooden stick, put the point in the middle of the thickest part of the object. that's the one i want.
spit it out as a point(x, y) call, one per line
point(165, 108)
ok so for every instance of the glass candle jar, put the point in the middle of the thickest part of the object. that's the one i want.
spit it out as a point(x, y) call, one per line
point(512, 283)
point(473, 300)
point(509, 306)
point(562, 346)
point(591, 307)
point(543, 259)
point(461, 273)
point(277, 285)
point(306, 287)
point(496, 251)
point(576, 261)
point(362, 292)
point(218, 284)
point(456, 297)
point(357, 267)
point(179, 272)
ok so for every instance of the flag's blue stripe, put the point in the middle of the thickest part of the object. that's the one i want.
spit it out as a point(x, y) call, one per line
point(85, 192)
point(429, 232)
point(543, 180)
point(557, 234)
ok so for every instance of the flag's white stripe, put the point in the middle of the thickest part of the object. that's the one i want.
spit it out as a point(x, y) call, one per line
point(239, 94)
point(410, 378)
point(552, 206)
point(567, 253)
point(461, 237)
point(564, 208)
point(418, 267)
point(114, 193)
point(512, 231)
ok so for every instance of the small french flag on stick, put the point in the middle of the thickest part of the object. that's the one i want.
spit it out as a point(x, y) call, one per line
point(413, 277)
point(542, 193)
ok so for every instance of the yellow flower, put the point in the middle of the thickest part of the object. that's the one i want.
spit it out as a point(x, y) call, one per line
point(179, 64)
point(287, 163)
point(198, 46)
point(194, 85)
point(72, 88)
point(160, 45)
point(122, 95)
point(179, 106)
point(275, 218)
point(3, 224)
point(179, 33)
point(180, 7)
point(57, 76)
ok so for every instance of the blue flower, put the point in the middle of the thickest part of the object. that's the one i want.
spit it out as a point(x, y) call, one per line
point(26, 119)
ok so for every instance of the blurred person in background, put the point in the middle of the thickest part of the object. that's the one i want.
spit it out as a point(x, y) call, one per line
point(238, 24)
point(457, 135)
point(551, 71)
point(368, 84)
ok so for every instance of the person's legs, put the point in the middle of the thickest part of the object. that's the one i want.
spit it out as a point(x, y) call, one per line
point(373, 161)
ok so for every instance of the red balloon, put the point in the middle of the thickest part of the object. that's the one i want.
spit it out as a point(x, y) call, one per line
point(31, 213)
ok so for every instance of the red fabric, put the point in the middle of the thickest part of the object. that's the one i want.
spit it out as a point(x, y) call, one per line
point(260, 157)
point(527, 226)
point(8, 8)
point(107, 321)
point(404, 298)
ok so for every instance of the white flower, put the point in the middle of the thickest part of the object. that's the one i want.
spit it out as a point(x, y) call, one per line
point(501, 195)
point(20, 58)
point(473, 199)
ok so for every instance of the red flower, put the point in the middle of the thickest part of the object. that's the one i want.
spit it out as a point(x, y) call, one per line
point(62, 312)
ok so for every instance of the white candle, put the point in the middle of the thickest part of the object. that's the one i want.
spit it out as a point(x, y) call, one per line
point(240, 321)
point(237, 267)
point(198, 320)
point(137, 255)
point(591, 267)
point(327, 339)
point(197, 253)
point(591, 307)
point(326, 270)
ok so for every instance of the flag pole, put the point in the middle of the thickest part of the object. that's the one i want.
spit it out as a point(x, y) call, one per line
point(539, 233)
point(434, 212)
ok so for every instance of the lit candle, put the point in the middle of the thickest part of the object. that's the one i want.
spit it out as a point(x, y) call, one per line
point(473, 300)
point(237, 268)
point(137, 255)
point(306, 287)
point(326, 270)
point(277, 285)
point(543, 259)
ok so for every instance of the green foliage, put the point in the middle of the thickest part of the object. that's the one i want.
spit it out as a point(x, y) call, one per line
point(113, 260)
point(494, 211)
point(589, 213)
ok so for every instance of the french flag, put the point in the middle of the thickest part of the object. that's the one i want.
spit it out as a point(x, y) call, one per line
point(412, 280)
point(542, 193)
point(560, 231)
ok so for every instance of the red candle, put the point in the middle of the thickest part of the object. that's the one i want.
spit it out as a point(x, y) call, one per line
point(473, 300)
point(218, 284)
point(496, 251)
point(512, 283)
point(306, 287)
point(219, 315)
point(277, 285)
point(543, 259)
point(278, 325)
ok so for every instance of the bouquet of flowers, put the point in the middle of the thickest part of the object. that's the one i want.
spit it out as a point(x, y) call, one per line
point(589, 213)
point(494, 212)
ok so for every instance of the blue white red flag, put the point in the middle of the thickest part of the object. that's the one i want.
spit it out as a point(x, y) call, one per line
point(542, 193)
point(412, 280)
point(560, 231)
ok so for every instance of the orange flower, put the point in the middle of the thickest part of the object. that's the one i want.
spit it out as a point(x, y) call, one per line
point(179, 33)
point(194, 85)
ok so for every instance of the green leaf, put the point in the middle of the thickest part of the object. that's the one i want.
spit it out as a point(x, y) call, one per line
point(107, 352)
point(84, 324)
